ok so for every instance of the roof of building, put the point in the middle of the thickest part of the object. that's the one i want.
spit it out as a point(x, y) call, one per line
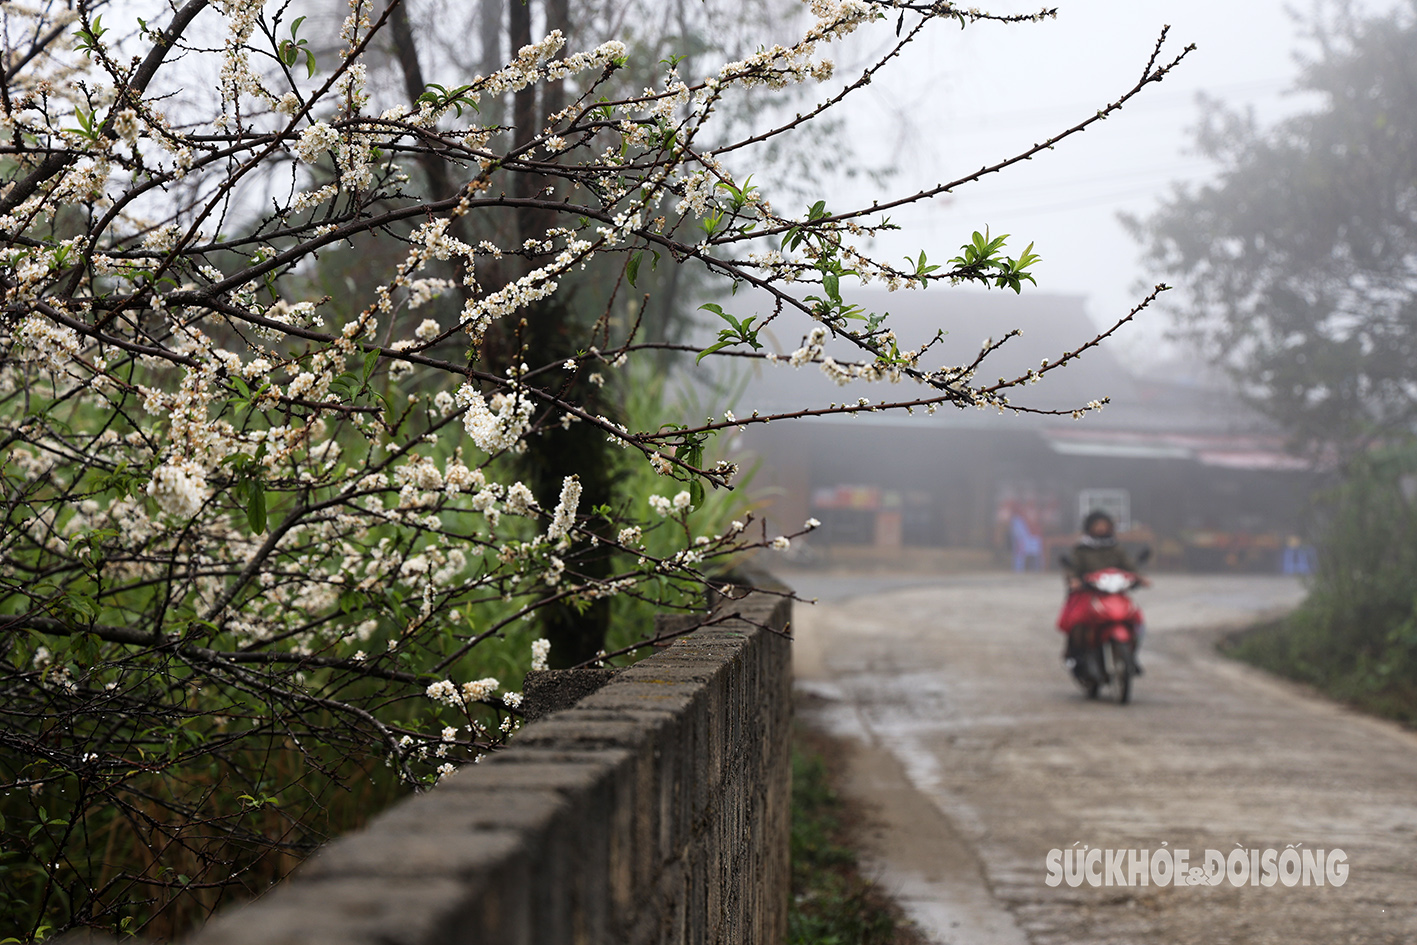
point(1173, 401)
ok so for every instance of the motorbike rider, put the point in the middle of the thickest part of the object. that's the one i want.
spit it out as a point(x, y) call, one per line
point(1097, 550)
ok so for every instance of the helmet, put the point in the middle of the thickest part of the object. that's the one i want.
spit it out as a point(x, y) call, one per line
point(1095, 516)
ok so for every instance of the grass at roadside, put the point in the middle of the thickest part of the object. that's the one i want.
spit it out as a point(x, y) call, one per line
point(832, 903)
point(1293, 647)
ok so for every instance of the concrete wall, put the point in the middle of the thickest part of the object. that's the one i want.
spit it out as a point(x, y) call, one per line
point(654, 811)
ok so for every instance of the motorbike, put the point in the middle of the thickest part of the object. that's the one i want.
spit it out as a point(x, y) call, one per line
point(1102, 655)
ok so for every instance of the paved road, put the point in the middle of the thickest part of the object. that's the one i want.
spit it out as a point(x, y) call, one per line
point(978, 755)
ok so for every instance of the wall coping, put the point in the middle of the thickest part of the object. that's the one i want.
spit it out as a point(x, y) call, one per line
point(656, 809)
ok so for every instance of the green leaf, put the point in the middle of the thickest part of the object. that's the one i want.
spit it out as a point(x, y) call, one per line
point(88, 38)
point(740, 332)
point(712, 348)
point(87, 645)
point(694, 452)
point(256, 506)
point(632, 269)
point(344, 385)
point(922, 268)
point(80, 606)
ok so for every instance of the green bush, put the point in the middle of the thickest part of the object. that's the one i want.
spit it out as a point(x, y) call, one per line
point(1355, 636)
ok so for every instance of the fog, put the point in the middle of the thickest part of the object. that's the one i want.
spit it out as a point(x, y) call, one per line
point(965, 98)
point(1205, 477)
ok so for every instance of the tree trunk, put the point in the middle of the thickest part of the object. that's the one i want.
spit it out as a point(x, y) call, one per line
point(553, 331)
point(406, 51)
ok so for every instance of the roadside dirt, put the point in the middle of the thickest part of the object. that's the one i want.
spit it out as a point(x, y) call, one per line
point(975, 755)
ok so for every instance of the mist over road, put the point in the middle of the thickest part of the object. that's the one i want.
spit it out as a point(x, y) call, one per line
point(977, 755)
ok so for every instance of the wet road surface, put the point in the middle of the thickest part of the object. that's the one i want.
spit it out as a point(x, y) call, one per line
point(977, 755)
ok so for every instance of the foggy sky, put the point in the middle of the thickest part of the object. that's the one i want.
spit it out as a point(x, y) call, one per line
point(970, 97)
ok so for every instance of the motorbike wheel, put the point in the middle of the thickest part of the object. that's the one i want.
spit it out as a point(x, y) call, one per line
point(1093, 672)
point(1121, 668)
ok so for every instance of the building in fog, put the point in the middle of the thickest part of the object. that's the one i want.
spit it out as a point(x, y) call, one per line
point(1183, 464)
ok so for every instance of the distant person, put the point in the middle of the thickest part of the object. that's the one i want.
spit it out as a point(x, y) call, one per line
point(1026, 544)
point(1097, 550)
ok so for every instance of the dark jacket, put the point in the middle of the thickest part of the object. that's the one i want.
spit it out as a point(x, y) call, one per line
point(1092, 554)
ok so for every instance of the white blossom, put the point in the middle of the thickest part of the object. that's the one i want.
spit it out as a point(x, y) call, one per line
point(540, 650)
point(519, 500)
point(565, 515)
point(179, 488)
point(315, 141)
point(479, 690)
point(52, 345)
point(498, 425)
point(125, 123)
point(444, 692)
